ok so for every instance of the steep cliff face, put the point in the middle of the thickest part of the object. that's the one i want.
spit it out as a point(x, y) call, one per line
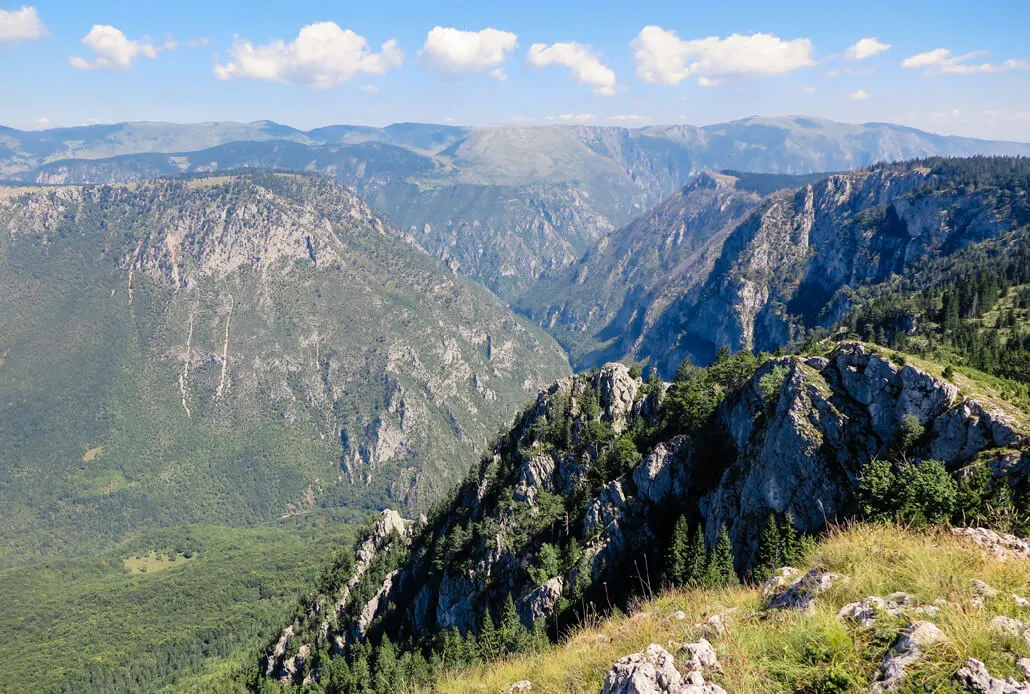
point(237, 348)
point(788, 265)
point(576, 503)
point(600, 307)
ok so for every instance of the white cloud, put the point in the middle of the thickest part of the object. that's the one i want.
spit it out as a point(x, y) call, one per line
point(43, 123)
point(583, 62)
point(629, 117)
point(112, 50)
point(809, 89)
point(451, 50)
point(21, 25)
point(575, 117)
point(940, 60)
point(866, 48)
point(954, 113)
point(663, 58)
point(323, 55)
point(859, 95)
point(370, 89)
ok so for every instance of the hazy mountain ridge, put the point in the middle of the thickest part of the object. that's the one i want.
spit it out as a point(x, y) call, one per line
point(232, 349)
point(558, 188)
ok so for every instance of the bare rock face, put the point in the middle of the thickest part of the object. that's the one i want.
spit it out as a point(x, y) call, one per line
point(799, 594)
point(618, 392)
point(975, 678)
point(1000, 545)
point(656, 475)
point(908, 649)
point(541, 603)
point(653, 671)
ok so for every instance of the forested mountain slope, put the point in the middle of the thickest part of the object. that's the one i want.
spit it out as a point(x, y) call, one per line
point(231, 349)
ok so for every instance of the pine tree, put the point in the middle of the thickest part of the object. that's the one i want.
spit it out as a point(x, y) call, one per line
point(337, 679)
point(679, 549)
point(361, 673)
point(790, 541)
point(697, 557)
point(453, 649)
point(416, 669)
point(489, 639)
point(387, 677)
point(770, 551)
point(720, 565)
point(514, 637)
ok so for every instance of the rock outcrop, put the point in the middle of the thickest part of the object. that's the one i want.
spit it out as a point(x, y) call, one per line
point(907, 650)
point(975, 678)
point(653, 671)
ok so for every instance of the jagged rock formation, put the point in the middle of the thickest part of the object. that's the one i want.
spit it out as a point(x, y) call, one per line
point(794, 437)
point(241, 347)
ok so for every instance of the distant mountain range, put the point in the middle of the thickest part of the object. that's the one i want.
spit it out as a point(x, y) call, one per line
point(504, 206)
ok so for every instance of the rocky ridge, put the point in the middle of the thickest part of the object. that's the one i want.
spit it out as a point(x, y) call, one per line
point(797, 447)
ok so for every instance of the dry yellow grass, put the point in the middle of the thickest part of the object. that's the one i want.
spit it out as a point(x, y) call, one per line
point(785, 652)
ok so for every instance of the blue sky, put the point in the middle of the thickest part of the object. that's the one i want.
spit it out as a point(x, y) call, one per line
point(68, 62)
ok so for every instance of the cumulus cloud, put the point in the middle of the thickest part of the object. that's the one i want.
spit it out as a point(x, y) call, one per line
point(940, 60)
point(859, 95)
point(323, 55)
point(43, 123)
point(629, 117)
point(370, 89)
point(809, 89)
point(866, 48)
point(112, 50)
point(584, 63)
point(451, 50)
point(21, 25)
point(663, 58)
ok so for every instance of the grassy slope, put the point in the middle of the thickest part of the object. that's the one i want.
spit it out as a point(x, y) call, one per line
point(196, 619)
point(786, 652)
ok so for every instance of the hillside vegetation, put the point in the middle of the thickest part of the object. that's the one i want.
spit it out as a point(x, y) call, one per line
point(231, 350)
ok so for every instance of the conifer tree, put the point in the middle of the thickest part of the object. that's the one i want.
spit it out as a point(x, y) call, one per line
point(337, 679)
point(489, 641)
point(697, 557)
point(790, 541)
point(388, 676)
point(453, 648)
point(720, 564)
point(361, 673)
point(514, 637)
point(770, 551)
point(679, 549)
point(416, 669)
